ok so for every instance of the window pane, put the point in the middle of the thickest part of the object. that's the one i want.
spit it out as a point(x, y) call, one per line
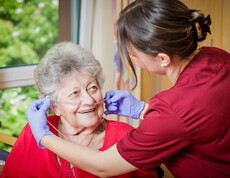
point(27, 29)
point(13, 105)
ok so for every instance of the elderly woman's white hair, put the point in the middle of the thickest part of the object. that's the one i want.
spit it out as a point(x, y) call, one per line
point(60, 61)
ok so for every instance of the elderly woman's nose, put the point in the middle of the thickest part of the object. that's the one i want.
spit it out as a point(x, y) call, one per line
point(87, 98)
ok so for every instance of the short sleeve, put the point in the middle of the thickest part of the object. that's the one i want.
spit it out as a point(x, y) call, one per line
point(160, 135)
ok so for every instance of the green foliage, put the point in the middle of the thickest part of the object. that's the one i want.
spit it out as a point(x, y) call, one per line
point(13, 104)
point(28, 28)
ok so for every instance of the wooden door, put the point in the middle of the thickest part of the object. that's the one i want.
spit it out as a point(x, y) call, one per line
point(219, 11)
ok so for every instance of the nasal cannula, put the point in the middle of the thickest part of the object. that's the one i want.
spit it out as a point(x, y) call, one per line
point(79, 106)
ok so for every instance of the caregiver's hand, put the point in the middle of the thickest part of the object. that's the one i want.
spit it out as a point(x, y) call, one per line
point(123, 103)
point(37, 118)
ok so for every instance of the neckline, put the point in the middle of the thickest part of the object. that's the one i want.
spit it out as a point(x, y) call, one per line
point(61, 161)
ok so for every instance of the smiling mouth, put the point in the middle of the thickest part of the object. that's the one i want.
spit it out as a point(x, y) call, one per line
point(88, 111)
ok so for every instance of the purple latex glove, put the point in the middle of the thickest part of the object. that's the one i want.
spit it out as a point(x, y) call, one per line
point(37, 118)
point(123, 103)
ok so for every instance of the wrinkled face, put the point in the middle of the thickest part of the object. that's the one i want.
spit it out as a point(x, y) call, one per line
point(77, 101)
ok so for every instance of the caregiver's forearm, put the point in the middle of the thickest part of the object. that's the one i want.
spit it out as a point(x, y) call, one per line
point(103, 164)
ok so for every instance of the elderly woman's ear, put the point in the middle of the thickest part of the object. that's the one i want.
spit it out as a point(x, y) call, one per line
point(54, 109)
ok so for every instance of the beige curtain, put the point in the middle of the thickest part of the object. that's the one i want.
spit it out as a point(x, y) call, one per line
point(122, 78)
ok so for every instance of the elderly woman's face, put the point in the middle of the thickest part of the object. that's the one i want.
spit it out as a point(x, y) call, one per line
point(78, 98)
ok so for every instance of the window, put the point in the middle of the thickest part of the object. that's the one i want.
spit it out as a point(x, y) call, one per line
point(27, 29)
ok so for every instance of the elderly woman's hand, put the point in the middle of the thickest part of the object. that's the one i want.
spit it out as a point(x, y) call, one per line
point(37, 118)
point(123, 103)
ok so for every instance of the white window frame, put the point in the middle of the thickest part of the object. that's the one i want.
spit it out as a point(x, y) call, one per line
point(21, 76)
point(17, 76)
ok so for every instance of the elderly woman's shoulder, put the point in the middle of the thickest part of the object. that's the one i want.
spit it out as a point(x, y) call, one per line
point(52, 118)
point(117, 130)
point(53, 122)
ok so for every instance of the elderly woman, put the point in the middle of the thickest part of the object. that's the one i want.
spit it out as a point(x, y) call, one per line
point(72, 78)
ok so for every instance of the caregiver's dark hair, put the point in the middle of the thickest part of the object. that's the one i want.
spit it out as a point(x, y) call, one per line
point(159, 26)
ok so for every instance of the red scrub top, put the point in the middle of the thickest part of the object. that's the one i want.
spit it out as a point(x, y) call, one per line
point(188, 126)
point(26, 160)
